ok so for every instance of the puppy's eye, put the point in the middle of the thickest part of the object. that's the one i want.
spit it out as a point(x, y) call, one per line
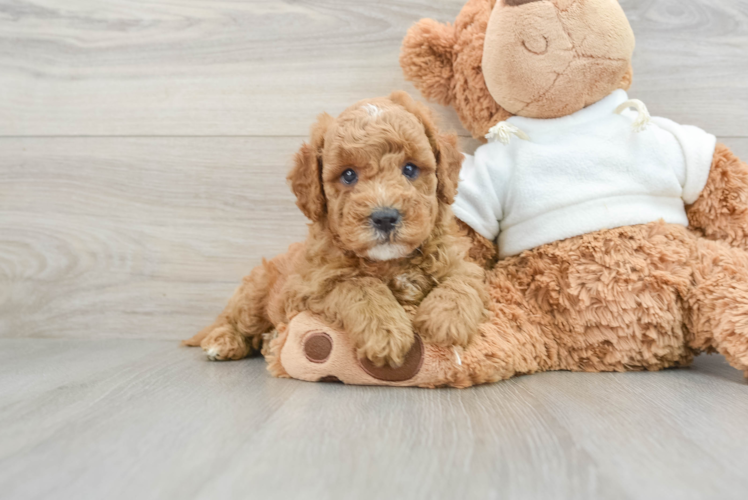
point(411, 171)
point(349, 177)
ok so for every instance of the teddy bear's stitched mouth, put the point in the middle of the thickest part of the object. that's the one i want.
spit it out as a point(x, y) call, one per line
point(515, 3)
point(534, 50)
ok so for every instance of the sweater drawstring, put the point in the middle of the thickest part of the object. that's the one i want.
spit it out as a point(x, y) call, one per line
point(503, 132)
point(642, 121)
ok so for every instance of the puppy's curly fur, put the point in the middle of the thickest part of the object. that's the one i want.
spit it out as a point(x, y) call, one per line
point(378, 286)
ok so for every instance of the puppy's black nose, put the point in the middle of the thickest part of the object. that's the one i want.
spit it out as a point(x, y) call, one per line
point(385, 219)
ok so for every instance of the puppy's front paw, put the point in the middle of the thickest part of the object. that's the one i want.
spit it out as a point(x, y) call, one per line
point(446, 318)
point(386, 341)
point(225, 343)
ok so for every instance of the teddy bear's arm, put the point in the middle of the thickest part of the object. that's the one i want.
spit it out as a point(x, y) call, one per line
point(721, 212)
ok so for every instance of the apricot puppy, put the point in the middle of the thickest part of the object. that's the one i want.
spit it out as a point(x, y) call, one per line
point(384, 257)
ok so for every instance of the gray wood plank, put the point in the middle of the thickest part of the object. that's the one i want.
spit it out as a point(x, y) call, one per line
point(738, 145)
point(136, 237)
point(185, 67)
point(139, 237)
point(268, 67)
point(690, 64)
point(147, 419)
point(145, 238)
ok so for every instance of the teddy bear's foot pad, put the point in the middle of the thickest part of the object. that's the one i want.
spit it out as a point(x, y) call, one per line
point(314, 352)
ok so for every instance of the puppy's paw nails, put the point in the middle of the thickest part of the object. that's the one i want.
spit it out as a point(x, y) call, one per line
point(224, 343)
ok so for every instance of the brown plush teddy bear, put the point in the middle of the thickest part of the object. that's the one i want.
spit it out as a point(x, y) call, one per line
point(622, 237)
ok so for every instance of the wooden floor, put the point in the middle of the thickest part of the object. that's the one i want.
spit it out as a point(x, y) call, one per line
point(143, 151)
point(125, 419)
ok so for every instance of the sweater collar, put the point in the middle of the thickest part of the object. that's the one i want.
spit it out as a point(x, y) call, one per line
point(601, 109)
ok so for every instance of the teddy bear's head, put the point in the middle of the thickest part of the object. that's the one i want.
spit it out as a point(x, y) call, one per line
point(533, 58)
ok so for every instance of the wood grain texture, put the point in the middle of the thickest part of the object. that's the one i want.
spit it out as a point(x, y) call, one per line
point(139, 237)
point(142, 419)
point(136, 237)
point(189, 67)
point(268, 67)
point(143, 151)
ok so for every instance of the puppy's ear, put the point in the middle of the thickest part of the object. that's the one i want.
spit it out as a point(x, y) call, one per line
point(306, 176)
point(444, 146)
point(449, 163)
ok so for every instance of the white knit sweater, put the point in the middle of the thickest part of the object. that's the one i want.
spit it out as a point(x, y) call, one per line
point(582, 173)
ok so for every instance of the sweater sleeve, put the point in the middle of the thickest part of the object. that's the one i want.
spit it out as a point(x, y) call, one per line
point(698, 150)
point(477, 203)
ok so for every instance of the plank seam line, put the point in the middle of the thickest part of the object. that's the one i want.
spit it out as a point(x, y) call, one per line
point(166, 136)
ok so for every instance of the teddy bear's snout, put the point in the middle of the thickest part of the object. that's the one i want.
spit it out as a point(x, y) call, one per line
point(545, 59)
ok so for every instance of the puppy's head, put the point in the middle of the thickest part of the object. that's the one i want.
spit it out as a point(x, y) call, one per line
point(378, 176)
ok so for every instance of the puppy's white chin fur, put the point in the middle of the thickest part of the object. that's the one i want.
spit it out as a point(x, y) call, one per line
point(388, 251)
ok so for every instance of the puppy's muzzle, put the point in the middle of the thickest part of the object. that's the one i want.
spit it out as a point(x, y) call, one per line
point(385, 220)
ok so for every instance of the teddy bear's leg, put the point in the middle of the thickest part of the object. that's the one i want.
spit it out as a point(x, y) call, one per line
point(717, 306)
point(721, 212)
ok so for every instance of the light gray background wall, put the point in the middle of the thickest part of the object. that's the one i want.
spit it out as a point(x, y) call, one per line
point(143, 151)
point(144, 145)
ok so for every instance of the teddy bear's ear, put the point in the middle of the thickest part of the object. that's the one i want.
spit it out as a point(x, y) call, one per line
point(306, 176)
point(427, 59)
point(447, 154)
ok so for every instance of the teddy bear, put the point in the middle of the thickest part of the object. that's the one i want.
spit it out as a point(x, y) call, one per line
point(612, 240)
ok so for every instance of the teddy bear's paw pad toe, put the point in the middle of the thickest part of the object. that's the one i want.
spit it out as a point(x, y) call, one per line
point(318, 347)
point(409, 369)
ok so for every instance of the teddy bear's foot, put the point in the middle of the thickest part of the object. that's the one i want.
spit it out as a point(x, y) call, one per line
point(315, 352)
point(406, 371)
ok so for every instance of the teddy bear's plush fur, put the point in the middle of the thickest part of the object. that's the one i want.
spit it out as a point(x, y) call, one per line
point(379, 286)
point(642, 297)
point(446, 62)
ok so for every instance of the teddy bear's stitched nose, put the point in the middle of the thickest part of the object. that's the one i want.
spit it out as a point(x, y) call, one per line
point(514, 3)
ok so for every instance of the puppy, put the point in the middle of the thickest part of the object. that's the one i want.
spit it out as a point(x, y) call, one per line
point(384, 257)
